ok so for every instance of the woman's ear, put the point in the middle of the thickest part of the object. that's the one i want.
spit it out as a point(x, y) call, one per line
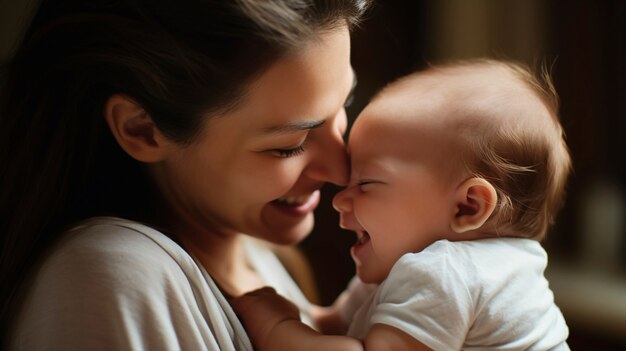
point(475, 201)
point(135, 130)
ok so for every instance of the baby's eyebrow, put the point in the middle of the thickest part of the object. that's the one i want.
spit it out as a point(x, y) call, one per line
point(294, 127)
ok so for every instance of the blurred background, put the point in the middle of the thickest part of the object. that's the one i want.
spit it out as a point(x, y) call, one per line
point(585, 44)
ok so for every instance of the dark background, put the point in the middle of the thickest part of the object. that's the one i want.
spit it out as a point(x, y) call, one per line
point(585, 43)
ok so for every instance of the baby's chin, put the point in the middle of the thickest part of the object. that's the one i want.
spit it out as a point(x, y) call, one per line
point(370, 277)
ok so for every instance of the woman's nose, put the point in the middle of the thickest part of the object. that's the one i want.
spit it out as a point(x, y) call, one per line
point(331, 162)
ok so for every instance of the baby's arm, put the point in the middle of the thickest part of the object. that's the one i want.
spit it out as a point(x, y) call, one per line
point(273, 323)
point(335, 319)
point(382, 337)
point(328, 320)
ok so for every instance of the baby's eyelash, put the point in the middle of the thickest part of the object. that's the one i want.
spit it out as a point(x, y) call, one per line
point(361, 184)
point(365, 182)
point(290, 152)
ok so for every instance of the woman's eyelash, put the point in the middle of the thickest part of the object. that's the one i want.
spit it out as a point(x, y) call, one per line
point(290, 152)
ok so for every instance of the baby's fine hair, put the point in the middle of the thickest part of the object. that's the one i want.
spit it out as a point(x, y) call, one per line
point(527, 163)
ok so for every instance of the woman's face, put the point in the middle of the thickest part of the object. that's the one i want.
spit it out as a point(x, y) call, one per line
point(258, 169)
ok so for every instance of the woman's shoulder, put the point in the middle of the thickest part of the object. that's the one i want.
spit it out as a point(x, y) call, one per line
point(122, 257)
point(113, 245)
point(111, 281)
point(116, 234)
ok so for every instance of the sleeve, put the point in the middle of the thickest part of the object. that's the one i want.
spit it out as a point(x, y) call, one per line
point(351, 299)
point(425, 295)
point(113, 294)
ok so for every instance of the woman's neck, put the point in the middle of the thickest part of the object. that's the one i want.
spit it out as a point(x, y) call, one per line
point(223, 257)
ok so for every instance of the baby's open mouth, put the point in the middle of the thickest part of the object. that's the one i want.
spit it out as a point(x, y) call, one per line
point(362, 237)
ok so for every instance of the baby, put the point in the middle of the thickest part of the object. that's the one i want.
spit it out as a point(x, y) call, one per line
point(457, 172)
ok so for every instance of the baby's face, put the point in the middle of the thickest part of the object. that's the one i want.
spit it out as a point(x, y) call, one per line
point(407, 163)
point(400, 197)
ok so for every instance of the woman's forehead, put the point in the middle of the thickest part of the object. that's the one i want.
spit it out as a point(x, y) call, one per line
point(310, 85)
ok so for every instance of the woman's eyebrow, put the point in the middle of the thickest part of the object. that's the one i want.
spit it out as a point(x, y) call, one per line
point(294, 127)
point(305, 125)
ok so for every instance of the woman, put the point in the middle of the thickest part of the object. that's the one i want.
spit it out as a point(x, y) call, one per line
point(148, 148)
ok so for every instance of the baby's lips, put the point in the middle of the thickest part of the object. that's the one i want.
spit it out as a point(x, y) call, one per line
point(349, 222)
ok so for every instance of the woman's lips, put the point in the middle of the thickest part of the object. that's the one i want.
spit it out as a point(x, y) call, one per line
point(298, 205)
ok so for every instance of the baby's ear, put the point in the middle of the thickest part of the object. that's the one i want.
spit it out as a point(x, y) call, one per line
point(475, 201)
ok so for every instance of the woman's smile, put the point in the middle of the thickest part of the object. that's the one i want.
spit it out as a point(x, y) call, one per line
point(300, 205)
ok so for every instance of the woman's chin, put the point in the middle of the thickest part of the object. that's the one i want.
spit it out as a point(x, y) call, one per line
point(287, 231)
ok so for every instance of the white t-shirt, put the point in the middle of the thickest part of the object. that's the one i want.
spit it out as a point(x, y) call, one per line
point(473, 295)
point(113, 284)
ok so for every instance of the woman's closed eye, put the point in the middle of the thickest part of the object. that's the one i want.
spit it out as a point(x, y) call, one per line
point(289, 152)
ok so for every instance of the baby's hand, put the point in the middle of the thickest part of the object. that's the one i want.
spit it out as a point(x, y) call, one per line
point(261, 311)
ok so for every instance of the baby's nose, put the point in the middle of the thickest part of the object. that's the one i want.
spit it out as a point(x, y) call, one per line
point(342, 202)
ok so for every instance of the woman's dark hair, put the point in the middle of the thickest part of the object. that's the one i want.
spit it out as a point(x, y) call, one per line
point(181, 60)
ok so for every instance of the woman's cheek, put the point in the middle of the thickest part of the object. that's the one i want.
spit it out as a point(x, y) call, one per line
point(291, 170)
point(277, 180)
